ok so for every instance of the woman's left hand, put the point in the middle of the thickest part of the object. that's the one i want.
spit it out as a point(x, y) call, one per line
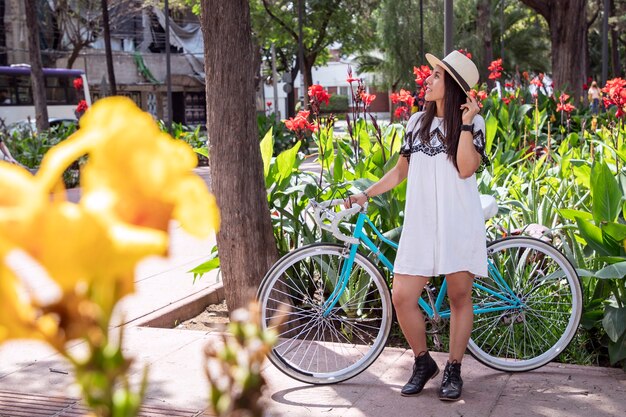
point(470, 109)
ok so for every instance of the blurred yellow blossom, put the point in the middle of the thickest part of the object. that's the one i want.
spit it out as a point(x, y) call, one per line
point(135, 181)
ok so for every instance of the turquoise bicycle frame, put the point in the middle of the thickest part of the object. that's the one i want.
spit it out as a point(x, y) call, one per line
point(505, 294)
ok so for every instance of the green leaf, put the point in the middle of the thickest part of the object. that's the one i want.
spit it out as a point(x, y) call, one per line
point(204, 151)
point(286, 161)
point(617, 270)
point(606, 195)
point(617, 350)
point(338, 166)
point(617, 231)
point(571, 214)
point(582, 171)
point(593, 236)
point(491, 125)
point(267, 149)
point(206, 267)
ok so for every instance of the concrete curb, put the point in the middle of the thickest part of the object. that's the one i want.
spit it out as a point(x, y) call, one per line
point(169, 316)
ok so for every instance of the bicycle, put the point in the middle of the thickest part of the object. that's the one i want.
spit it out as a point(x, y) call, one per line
point(340, 310)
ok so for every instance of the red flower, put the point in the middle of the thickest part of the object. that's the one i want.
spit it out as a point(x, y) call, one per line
point(464, 52)
point(537, 82)
point(421, 73)
point(615, 91)
point(508, 85)
point(479, 96)
point(563, 98)
point(269, 104)
point(350, 79)
point(82, 106)
point(404, 96)
point(506, 100)
point(367, 98)
point(401, 112)
point(300, 122)
point(525, 75)
point(317, 93)
point(78, 83)
point(567, 107)
point(496, 69)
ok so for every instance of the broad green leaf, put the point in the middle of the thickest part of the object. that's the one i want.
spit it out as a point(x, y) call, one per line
point(338, 166)
point(617, 231)
point(571, 214)
point(617, 350)
point(617, 270)
point(593, 236)
point(621, 152)
point(491, 125)
point(606, 195)
point(327, 151)
point(286, 161)
point(204, 151)
point(582, 172)
point(267, 149)
point(212, 263)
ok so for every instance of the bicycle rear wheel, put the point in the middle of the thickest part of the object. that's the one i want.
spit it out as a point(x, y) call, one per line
point(317, 348)
point(532, 302)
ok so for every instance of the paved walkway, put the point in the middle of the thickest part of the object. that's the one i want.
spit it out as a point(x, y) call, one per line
point(166, 294)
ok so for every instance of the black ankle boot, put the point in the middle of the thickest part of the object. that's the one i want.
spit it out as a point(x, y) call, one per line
point(424, 368)
point(452, 384)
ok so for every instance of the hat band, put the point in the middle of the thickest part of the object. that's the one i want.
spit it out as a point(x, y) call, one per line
point(459, 79)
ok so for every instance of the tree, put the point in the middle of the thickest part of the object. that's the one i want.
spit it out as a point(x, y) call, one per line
point(567, 19)
point(347, 23)
point(78, 22)
point(107, 46)
point(36, 70)
point(483, 25)
point(246, 244)
point(3, 36)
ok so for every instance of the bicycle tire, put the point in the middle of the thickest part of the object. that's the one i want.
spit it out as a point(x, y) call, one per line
point(325, 350)
point(526, 337)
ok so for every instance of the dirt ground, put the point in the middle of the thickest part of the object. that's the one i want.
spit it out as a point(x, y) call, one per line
point(214, 317)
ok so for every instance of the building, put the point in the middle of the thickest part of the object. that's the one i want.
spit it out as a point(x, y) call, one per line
point(138, 44)
point(332, 77)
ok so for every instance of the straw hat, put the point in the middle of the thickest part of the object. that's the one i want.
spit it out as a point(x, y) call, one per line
point(459, 66)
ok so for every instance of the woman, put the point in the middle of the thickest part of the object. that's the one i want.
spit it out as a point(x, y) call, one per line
point(594, 95)
point(444, 231)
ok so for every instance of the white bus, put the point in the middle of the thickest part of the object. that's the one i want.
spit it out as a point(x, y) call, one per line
point(62, 94)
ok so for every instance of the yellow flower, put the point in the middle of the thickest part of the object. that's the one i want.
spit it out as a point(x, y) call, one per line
point(136, 179)
point(136, 172)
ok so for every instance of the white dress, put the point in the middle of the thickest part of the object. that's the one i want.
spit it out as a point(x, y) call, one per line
point(444, 227)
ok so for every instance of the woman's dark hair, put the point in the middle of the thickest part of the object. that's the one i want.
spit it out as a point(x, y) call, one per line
point(454, 97)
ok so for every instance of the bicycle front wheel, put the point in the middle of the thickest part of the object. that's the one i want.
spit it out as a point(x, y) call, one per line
point(317, 344)
point(527, 311)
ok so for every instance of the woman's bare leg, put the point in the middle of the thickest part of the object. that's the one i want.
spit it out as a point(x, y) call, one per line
point(462, 313)
point(406, 291)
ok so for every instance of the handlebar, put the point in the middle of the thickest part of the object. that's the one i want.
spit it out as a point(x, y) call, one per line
point(321, 213)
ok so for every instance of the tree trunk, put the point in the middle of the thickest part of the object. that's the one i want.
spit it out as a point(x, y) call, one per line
point(565, 19)
point(3, 36)
point(617, 72)
point(74, 55)
point(483, 24)
point(36, 71)
point(245, 242)
point(107, 47)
